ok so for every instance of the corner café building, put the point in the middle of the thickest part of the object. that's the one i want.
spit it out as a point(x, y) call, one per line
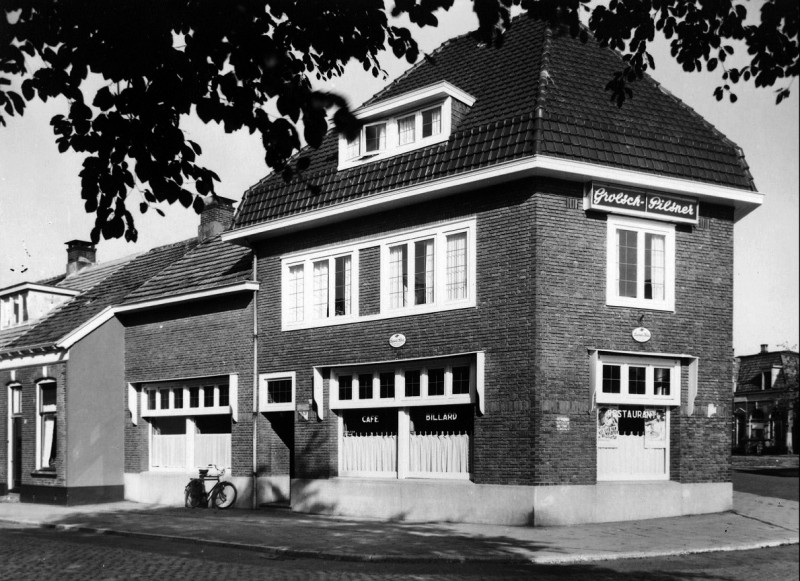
point(510, 301)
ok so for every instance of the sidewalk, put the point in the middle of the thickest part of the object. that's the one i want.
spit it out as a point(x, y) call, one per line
point(756, 522)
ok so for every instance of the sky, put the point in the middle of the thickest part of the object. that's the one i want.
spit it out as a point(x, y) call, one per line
point(41, 208)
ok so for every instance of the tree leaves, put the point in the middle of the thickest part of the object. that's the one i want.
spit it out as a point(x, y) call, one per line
point(231, 62)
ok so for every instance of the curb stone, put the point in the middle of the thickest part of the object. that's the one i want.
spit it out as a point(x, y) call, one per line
point(378, 558)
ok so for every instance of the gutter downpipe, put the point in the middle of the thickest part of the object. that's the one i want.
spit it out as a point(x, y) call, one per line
point(255, 383)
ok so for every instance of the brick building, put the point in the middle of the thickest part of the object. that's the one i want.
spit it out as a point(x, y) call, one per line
point(122, 378)
point(765, 400)
point(62, 379)
point(507, 300)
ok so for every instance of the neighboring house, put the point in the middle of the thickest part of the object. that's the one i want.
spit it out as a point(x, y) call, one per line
point(189, 334)
point(765, 402)
point(507, 300)
point(63, 380)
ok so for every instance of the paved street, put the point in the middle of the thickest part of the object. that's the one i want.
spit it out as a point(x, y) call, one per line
point(35, 554)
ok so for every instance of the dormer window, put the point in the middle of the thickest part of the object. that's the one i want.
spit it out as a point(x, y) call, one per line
point(406, 129)
point(28, 302)
point(402, 124)
point(375, 137)
point(432, 122)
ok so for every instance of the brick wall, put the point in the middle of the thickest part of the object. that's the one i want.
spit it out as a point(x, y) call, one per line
point(572, 317)
point(202, 339)
point(501, 324)
point(28, 378)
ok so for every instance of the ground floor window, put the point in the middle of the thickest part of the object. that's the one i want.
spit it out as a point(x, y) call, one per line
point(632, 442)
point(180, 442)
point(407, 442)
point(47, 433)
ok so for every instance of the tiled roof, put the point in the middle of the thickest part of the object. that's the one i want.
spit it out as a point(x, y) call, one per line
point(751, 367)
point(8, 335)
point(211, 264)
point(107, 291)
point(653, 132)
point(89, 276)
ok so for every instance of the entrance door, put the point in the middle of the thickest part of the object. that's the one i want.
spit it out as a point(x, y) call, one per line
point(16, 453)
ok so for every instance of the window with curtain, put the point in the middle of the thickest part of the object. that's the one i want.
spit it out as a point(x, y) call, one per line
point(436, 440)
point(48, 423)
point(429, 270)
point(406, 129)
point(331, 281)
point(641, 263)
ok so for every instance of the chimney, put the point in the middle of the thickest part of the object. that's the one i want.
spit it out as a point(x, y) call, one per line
point(216, 217)
point(80, 254)
point(764, 348)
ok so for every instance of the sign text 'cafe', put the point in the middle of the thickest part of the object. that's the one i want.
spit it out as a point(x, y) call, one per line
point(658, 206)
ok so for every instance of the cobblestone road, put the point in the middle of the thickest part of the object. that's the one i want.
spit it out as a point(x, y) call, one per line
point(35, 554)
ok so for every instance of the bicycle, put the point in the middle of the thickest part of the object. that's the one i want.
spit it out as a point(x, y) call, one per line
point(221, 495)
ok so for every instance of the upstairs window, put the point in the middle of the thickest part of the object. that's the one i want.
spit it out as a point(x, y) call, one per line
point(403, 123)
point(319, 289)
point(641, 264)
point(429, 270)
point(375, 138)
point(406, 130)
point(432, 122)
point(395, 135)
point(14, 310)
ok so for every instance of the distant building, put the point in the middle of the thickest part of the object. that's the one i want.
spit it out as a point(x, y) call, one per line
point(765, 401)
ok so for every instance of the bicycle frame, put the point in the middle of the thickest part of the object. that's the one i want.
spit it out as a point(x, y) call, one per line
point(196, 494)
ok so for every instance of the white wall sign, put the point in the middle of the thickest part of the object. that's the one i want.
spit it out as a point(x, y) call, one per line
point(397, 340)
point(641, 334)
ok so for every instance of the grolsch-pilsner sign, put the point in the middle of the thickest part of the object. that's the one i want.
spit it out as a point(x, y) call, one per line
point(634, 202)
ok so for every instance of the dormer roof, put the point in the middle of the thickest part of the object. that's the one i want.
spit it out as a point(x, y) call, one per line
point(540, 106)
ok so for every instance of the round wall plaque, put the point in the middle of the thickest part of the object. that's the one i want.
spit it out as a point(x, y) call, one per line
point(641, 334)
point(397, 340)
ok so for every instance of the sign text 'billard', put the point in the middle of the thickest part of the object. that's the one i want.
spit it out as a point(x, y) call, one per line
point(609, 198)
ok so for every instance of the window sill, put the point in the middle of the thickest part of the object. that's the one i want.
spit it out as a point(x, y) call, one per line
point(640, 304)
point(380, 316)
point(183, 412)
point(43, 474)
point(280, 407)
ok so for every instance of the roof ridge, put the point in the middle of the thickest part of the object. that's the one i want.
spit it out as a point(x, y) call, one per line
point(425, 58)
point(708, 125)
point(541, 96)
point(686, 107)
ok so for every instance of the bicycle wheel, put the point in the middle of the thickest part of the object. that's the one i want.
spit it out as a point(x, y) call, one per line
point(224, 495)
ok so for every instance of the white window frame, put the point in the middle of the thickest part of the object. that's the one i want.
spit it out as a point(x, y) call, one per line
point(386, 142)
point(649, 398)
point(263, 384)
point(641, 227)
point(439, 236)
point(41, 412)
point(348, 158)
point(402, 404)
point(186, 409)
point(306, 258)
point(189, 434)
point(12, 389)
point(400, 399)
point(307, 262)
point(623, 475)
point(402, 469)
